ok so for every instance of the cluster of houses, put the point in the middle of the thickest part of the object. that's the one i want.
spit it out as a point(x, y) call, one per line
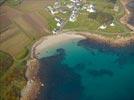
point(74, 10)
point(89, 8)
point(60, 24)
point(74, 6)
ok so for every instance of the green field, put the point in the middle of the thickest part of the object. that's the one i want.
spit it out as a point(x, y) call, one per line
point(16, 43)
point(6, 61)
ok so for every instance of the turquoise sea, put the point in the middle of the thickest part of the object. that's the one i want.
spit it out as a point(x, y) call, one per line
point(87, 70)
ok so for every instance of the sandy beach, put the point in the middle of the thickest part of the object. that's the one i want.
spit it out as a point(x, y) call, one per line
point(33, 86)
point(49, 41)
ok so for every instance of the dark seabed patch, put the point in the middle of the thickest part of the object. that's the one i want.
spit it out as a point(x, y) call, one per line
point(61, 82)
point(100, 72)
point(88, 70)
point(123, 53)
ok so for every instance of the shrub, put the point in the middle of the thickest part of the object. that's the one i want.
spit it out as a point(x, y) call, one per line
point(101, 17)
point(22, 54)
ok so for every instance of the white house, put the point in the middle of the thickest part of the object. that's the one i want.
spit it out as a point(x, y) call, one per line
point(63, 10)
point(112, 24)
point(69, 6)
point(49, 7)
point(60, 23)
point(57, 19)
point(54, 31)
point(74, 1)
point(103, 27)
point(72, 18)
point(52, 10)
point(91, 8)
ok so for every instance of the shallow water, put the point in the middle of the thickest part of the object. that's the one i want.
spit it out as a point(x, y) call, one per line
point(87, 70)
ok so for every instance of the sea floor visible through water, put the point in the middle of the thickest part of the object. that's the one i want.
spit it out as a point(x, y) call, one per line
point(87, 70)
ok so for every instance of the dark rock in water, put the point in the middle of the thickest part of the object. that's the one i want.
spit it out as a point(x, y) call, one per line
point(73, 73)
point(61, 82)
point(88, 44)
point(124, 60)
point(99, 73)
point(60, 51)
point(106, 48)
point(121, 60)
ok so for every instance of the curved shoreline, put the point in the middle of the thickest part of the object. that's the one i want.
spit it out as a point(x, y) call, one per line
point(124, 19)
point(119, 41)
point(31, 90)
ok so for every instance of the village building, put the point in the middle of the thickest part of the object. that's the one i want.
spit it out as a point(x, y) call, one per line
point(55, 31)
point(52, 10)
point(103, 27)
point(91, 8)
point(63, 10)
point(59, 21)
point(84, 7)
point(75, 1)
point(57, 4)
point(72, 18)
point(112, 24)
point(75, 10)
point(70, 5)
